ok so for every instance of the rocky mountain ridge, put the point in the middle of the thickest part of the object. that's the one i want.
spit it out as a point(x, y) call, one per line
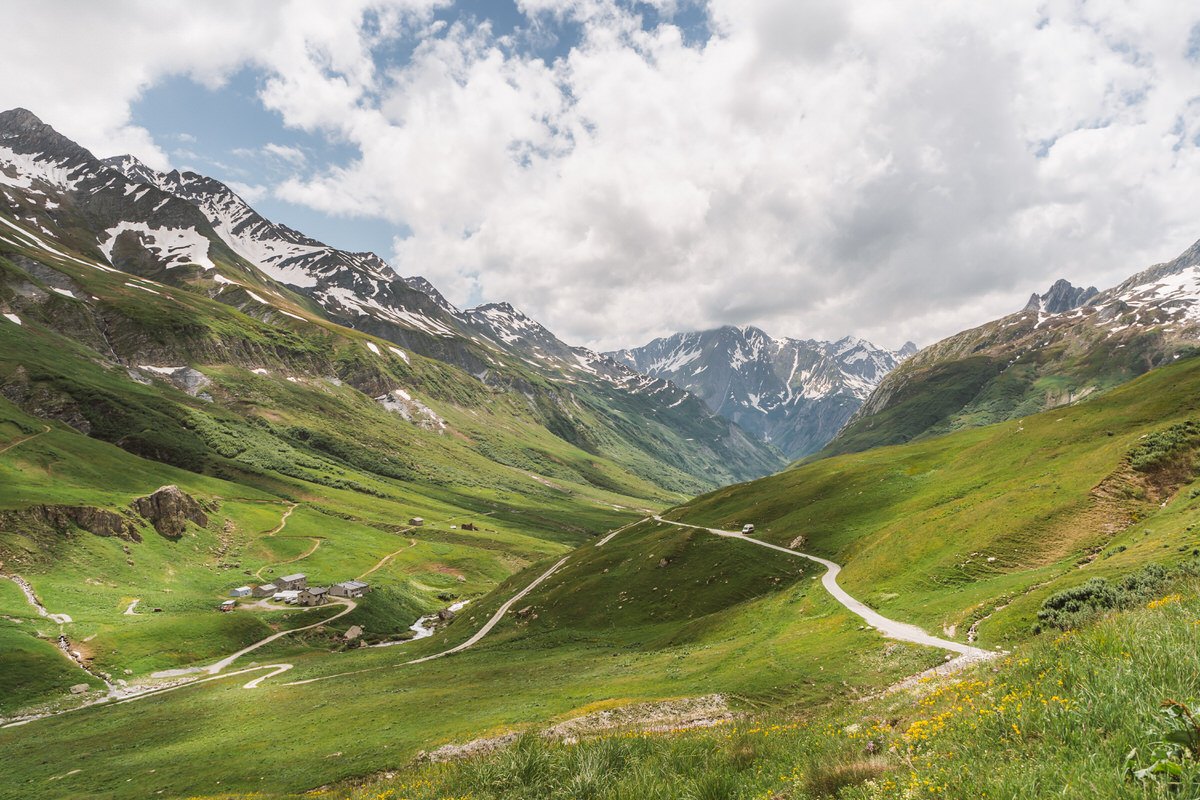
point(188, 231)
point(1070, 344)
point(794, 393)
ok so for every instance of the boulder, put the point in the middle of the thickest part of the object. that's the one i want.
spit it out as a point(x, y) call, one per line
point(79, 688)
point(169, 510)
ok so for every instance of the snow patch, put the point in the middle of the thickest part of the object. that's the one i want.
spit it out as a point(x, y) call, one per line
point(13, 318)
point(175, 247)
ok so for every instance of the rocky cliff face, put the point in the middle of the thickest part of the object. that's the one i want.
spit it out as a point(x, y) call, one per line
point(1062, 296)
point(794, 393)
point(60, 519)
point(169, 509)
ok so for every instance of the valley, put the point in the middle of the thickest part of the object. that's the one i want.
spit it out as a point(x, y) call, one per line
point(196, 402)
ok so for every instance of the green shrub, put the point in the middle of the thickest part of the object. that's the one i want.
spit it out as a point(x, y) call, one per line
point(1163, 447)
point(1072, 608)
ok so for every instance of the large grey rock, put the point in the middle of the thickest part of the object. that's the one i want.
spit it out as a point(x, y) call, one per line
point(169, 510)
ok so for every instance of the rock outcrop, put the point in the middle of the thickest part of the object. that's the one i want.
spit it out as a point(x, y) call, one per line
point(60, 519)
point(1063, 296)
point(169, 510)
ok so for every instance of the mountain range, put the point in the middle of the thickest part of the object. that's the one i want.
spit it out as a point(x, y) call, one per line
point(194, 233)
point(1065, 345)
point(794, 393)
point(195, 400)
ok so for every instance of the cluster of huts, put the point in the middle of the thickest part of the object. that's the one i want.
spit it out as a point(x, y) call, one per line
point(294, 590)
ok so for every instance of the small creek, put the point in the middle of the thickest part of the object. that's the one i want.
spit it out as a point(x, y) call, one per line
point(424, 627)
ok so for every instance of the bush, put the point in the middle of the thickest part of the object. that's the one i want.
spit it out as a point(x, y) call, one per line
point(1163, 447)
point(1072, 608)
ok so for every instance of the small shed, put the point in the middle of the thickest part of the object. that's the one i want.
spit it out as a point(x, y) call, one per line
point(266, 590)
point(227, 605)
point(416, 522)
point(349, 589)
point(297, 581)
point(313, 596)
point(241, 591)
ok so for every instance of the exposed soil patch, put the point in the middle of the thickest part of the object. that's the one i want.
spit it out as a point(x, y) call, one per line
point(668, 715)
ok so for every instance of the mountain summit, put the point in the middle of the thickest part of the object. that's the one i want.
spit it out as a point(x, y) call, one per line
point(794, 393)
point(1062, 296)
point(195, 235)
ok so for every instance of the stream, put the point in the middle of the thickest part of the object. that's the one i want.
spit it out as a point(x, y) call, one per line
point(425, 626)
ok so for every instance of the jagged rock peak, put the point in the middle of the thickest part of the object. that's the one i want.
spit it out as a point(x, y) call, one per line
point(1062, 296)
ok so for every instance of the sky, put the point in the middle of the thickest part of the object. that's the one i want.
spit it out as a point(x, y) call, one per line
point(623, 170)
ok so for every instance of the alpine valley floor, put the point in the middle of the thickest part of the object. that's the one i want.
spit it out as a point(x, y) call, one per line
point(965, 535)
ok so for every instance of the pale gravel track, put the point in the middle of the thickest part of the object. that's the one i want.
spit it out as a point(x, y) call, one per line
point(890, 628)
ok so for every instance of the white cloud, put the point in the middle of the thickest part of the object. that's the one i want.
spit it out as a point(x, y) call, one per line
point(81, 64)
point(890, 168)
point(292, 155)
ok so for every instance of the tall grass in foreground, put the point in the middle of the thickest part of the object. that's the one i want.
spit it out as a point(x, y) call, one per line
point(1057, 719)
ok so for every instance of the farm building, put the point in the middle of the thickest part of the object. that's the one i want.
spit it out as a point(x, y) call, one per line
point(266, 590)
point(416, 522)
point(314, 596)
point(349, 589)
point(297, 581)
point(241, 591)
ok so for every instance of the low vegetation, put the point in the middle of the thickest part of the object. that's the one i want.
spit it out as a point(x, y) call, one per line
point(1106, 711)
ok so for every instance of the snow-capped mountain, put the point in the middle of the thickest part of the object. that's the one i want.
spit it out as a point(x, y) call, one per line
point(195, 233)
point(794, 393)
point(357, 289)
point(60, 189)
point(363, 291)
point(1064, 346)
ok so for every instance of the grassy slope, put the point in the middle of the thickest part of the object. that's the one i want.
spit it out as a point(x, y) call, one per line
point(941, 531)
point(583, 645)
point(1056, 719)
point(1007, 369)
point(718, 616)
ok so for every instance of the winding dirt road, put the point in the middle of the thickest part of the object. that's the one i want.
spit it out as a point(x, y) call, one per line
point(888, 627)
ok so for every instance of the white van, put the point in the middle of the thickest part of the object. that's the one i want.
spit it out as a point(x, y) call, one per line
point(747, 528)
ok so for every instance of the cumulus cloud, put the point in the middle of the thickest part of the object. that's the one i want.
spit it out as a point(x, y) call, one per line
point(891, 168)
point(81, 64)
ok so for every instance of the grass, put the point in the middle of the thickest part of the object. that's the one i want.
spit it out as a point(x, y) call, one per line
point(974, 529)
point(658, 612)
point(1057, 718)
point(942, 531)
